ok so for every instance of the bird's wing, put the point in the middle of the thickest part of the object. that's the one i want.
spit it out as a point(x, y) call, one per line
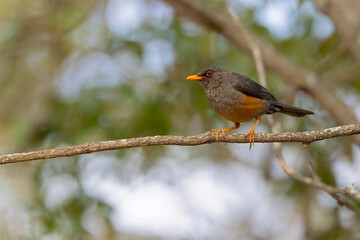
point(250, 87)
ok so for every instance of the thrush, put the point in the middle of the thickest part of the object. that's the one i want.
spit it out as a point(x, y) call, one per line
point(237, 98)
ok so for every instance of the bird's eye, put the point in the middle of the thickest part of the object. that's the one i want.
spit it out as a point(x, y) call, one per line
point(209, 73)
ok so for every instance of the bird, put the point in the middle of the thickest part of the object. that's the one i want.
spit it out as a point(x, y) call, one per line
point(238, 98)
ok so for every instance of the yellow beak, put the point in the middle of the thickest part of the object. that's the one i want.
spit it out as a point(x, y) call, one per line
point(195, 77)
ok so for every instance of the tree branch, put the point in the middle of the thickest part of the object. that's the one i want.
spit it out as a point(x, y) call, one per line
point(205, 138)
point(315, 181)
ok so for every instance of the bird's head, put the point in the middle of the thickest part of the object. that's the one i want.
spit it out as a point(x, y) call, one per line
point(209, 77)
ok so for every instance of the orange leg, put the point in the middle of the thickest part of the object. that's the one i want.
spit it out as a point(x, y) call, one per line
point(236, 126)
point(251, 133)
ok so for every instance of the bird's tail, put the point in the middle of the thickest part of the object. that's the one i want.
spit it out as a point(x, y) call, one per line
point(290, 110)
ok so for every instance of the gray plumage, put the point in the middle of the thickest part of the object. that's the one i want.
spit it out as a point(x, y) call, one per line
point(226, 92)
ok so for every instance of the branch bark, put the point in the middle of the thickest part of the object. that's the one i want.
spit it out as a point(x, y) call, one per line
point(205, 138)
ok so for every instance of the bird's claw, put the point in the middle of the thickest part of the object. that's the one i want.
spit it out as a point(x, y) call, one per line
point(217, 133)
point(251, 138)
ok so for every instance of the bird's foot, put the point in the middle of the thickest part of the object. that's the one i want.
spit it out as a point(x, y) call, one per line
point(218, 132)
point(251, 138)
point(236, 126)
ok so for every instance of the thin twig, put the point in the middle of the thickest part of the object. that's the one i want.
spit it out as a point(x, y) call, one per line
point(334, 192)
point(255, 50)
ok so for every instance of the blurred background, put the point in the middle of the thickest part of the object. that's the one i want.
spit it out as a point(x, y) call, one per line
point(83, 71)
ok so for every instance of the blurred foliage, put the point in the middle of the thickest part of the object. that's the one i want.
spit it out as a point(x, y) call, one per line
point(71, 73)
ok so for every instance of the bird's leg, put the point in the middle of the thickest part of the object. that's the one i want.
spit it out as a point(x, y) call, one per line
point(236, 126)
point(251, 133)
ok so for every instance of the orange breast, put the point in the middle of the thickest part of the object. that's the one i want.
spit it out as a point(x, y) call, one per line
point(247, 109)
